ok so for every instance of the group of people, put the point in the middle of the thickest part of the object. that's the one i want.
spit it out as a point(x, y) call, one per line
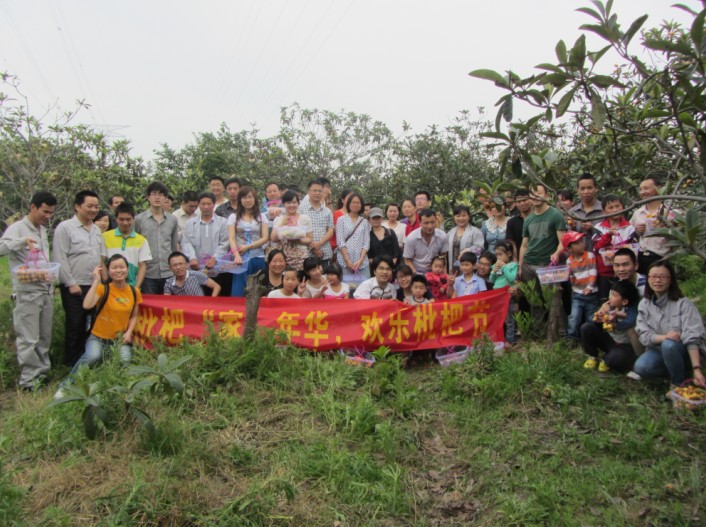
point(301, 244)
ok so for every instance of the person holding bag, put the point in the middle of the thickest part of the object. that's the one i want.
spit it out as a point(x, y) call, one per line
point(353, 241)
point(292, 231)
point(116, 312)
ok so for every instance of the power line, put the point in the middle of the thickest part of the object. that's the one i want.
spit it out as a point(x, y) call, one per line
point(230, 66)
point(313, 56)
point(74, 58)
point(301, 49)
point(292, 27)
point(25, 47)
point(257, 61)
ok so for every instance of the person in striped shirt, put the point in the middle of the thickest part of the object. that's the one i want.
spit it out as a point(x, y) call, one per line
point(186, 282)
point(584, 283)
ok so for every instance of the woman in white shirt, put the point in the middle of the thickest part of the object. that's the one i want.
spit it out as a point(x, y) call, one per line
point(248, 232)
point(353, 240)
point(292, 231)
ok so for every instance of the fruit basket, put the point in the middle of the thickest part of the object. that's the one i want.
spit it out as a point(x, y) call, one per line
point(688, 396)
point(357, 357)
point(452, 355)
point(291, 233)
point(553, 274)
point(225, 264)
point(37, 273)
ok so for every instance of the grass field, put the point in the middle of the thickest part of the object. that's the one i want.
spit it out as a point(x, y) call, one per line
point(269, 436)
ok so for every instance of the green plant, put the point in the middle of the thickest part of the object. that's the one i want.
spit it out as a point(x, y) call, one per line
point(104, 402)
point(98, 414)
point(10, 499)
point(160, 378)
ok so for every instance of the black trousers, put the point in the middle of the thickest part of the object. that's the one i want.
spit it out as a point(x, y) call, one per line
point(594, 339)
point(75, 334)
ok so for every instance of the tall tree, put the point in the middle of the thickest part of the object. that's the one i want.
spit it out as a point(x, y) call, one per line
point(51, 153)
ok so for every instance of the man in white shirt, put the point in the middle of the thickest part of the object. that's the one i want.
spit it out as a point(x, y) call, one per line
point(646, 219)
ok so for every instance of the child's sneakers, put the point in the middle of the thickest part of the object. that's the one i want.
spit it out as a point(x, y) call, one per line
point(603, 367)
point(590, 363)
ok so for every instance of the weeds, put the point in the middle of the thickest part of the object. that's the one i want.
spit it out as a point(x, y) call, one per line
point(107, 404)
point(262, 435)
point(10, 498)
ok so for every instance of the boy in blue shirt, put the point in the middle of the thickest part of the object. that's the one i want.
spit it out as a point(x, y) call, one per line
point(469, 283)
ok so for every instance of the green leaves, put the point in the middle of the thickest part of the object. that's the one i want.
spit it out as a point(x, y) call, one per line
point(577, 56)
point(490, 75)
point(99, 405)
point(697, 32)
point(560, 51)
point(634, 28)
point(162, 377)
point(598, 110)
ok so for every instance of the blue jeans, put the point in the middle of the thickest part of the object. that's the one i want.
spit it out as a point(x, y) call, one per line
point(669, 359)
point(94, 355)
point(240, 279)
point(582, 309)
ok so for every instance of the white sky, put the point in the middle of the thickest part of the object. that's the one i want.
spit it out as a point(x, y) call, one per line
point(165, 69)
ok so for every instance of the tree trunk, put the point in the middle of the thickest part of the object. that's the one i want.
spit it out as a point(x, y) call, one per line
point(556, 318)
point(253, 292)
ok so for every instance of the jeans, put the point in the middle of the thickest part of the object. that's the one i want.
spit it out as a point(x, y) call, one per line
point(582, 309)
point(153, 286)
point(94, 355)
point(240, 280)
point(669, 359)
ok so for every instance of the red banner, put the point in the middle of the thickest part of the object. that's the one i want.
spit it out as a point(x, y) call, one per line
point(324, 325)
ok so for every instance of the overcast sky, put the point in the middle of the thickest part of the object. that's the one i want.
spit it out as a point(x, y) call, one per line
point(158, 71)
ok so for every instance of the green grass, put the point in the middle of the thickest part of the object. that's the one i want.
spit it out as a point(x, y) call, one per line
point(265, 436)
point(290, 438)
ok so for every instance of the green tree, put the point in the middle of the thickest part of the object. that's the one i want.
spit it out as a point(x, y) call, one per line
point(352, 150)
point(51, 153)
point(641, 116)
point(444, 161)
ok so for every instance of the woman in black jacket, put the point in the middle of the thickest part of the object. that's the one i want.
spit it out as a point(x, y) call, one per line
point(383, 241)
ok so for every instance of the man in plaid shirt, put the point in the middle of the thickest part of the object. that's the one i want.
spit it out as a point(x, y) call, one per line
point(321, 222)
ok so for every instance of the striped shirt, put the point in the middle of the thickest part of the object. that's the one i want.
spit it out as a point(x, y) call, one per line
point(191, 287)
point(583, 273)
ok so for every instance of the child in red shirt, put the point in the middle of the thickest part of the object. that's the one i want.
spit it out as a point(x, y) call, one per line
point(609, 235)
point(437, 279)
